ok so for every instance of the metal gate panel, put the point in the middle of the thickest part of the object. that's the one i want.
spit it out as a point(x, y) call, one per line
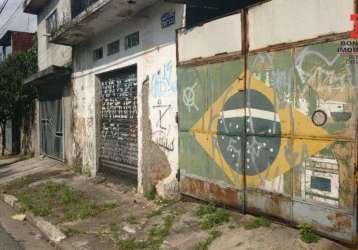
point(283, 138)
point(51, 128)
point(209, 143)
point(119, 145)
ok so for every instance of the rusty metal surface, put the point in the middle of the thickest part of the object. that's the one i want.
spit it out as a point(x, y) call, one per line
point(210, 191)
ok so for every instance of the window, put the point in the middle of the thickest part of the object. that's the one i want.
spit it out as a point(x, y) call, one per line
point(51, 23)
point(98, 54)
point(132, 40)
point(113, 48)
point(78, 6)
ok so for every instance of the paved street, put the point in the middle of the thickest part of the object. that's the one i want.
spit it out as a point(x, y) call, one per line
point(7, 242)
point(23, 235)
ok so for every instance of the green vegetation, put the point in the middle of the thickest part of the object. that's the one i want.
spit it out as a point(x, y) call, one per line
point(132, 220)
point(307, 234)
point(61, 201)
point(258, 222)
point(69, 232)
point(154, 240)
point(114, 232)
point(211, 216)
point(154, 213)
point(16, 98)
point(205, 244)
point(205, 209)
point(151, 194)
point(77, 168)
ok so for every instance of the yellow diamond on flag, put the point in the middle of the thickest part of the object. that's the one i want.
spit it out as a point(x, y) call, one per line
point(232, 132)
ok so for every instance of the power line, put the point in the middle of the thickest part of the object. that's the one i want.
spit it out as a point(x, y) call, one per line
point(9, 19)
point(3, 6)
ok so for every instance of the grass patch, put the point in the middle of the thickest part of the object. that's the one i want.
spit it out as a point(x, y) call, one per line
point(131, 244)
point(154, 213)
point(114, 231)
point(154, 240)
point(211, 216)
point(205, 244)
point(69, 232)
point(307, 234)
point(132, 220)
point(151, 194)
point(24, 182)
point(205, 209)
point(77, 168)
point(258, 222)
point(61, 201)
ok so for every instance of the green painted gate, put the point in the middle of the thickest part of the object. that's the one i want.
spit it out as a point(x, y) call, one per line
point(278, 138)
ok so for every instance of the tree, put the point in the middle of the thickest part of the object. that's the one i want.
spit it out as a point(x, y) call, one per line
point(15, 97)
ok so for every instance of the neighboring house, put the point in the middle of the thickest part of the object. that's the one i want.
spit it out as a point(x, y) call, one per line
point(16, 35)
point(53, 82)
point(206, 100)
point(13, 42)
point(107, 87)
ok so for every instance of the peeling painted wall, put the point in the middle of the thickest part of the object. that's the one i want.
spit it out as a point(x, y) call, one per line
point(155, 58)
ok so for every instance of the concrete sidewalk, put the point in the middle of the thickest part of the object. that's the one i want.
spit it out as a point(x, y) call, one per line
point(11, 160)
point(24, 168)
point(127, 220)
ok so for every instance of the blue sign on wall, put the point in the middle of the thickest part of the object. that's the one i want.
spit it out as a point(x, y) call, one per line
point(168, 19)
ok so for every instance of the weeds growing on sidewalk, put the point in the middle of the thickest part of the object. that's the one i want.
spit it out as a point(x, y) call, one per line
point(258, 222)
point(205, 244)
point(211, 216)
point(132, 220)
point(307, 234)
point(60, 201)
point(69, 232)
point(151, 194)
point(154, 240)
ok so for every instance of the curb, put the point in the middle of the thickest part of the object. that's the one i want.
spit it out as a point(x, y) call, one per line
point(12, 161)
point(52, 233)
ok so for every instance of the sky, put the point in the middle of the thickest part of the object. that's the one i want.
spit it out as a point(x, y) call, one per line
point(13, 18)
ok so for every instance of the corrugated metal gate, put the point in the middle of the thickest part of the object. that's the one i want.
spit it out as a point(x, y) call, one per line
point(277, 138)
point(51, 121)
point(119, 145)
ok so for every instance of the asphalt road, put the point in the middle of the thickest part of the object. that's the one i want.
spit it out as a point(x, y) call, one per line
point(7, 242)
point(16, 235)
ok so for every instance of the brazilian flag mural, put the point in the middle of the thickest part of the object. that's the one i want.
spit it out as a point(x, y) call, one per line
point(287, 124)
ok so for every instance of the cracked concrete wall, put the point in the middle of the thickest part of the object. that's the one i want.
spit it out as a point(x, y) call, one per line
point(155, 58)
